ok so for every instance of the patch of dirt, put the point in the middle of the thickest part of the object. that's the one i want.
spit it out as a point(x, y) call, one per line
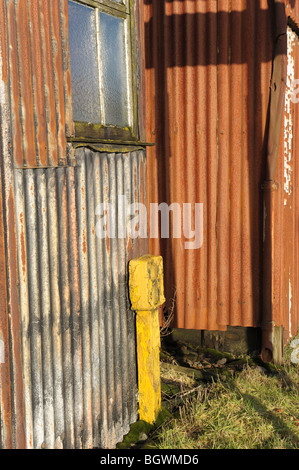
point(185, 366)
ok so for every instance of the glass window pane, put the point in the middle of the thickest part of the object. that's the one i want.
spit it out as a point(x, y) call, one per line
point(114, 70)
point(84, 63)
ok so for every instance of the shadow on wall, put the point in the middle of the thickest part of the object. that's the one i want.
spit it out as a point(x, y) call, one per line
point(172, 41)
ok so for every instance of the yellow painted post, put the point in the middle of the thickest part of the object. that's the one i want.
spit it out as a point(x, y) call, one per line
point(147, 294)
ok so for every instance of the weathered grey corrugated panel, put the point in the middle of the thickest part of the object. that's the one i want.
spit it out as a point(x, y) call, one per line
point(77, 332)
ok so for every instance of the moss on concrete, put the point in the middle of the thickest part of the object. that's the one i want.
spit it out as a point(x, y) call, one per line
point(141, 428)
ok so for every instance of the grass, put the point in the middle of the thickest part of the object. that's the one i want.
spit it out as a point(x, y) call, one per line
point(215, 400)
point(254, 409)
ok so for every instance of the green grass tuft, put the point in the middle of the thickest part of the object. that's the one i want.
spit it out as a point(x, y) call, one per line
point(253, 410)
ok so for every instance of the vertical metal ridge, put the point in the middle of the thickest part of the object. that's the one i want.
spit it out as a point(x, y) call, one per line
point(45, 305)
point(12, 400)
point(63, 248)
point(107, 293)
point(118, 419)
point(75, 303)
point(21, 233)
point(5, 393)
point(38, 82)
point(25, 82)
point(236, 157)
point(122, 285)
point(130, 343)
point(14, 84)
point(59, 86)
point(223, 147)
point(54, 270)
point(49, 79)
point(211, 206)
point(85, 311)
point(35, 326)
point(66, 66)
point(94, 304)
point(102, 420)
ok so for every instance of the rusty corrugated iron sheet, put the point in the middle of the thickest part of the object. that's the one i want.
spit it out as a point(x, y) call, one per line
point(211, 90)
point(217, 132)
point(270, 186)
point(181, 40)
point(77, 332)
point(34, 39)
point(12, 404)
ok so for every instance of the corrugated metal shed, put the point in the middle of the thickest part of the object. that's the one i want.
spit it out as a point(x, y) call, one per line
point(211, 99)
point(209, 68)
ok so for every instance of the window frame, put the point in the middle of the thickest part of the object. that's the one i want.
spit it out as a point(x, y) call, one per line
point(99, 132)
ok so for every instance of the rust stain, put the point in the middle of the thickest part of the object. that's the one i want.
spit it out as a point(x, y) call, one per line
point(37, 70)
point(84, 245)
point(129, 247)
point(69, 82)
point(23, 249)
point(44, 9)
point(67, 75)
point(25, 76)
point(58, 73)
point(14, 74)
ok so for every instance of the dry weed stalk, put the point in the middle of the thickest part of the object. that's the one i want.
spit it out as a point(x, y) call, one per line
point(168, 319)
